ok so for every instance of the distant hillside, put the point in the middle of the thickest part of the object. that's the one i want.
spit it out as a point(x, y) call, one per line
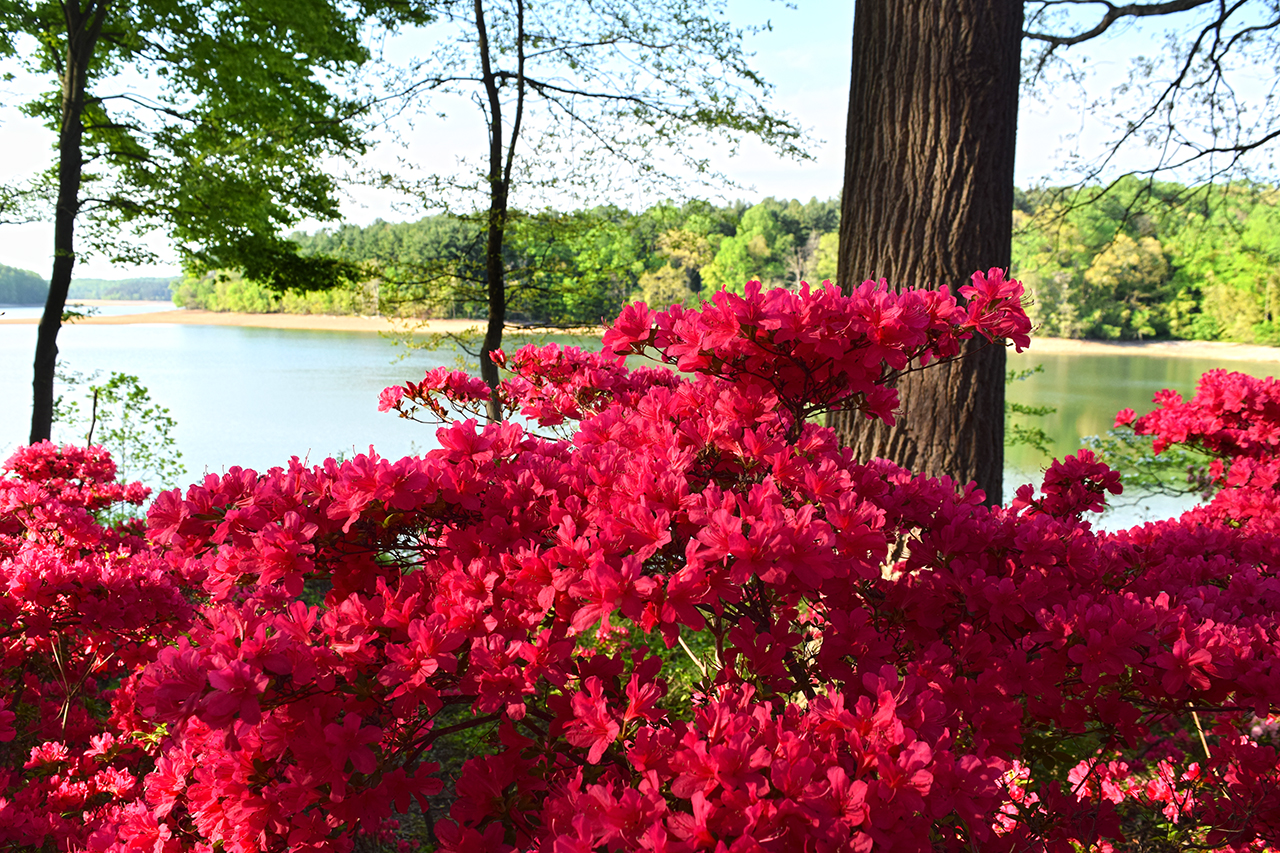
point(125, 288)
point(24, 287)
point(21, 287)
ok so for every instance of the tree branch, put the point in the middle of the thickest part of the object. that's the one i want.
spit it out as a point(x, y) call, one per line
point(1114, 13)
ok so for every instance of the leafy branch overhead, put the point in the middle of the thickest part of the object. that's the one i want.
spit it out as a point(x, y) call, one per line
point(225, 107)
point(203, 120)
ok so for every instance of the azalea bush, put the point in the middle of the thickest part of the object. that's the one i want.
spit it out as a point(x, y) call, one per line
point(879, 661)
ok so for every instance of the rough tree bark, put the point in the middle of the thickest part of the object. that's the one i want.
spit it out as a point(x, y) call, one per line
point(84, 26)
point(928, 199)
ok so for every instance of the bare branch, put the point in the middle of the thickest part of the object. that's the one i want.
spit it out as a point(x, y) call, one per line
point(1114, 13)
point(1195, 112)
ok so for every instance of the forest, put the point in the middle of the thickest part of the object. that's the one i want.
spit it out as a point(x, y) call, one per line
point(1152, 260)
point(21, 287)
point(1140, 260)
point(562, 268)
point(128, 288)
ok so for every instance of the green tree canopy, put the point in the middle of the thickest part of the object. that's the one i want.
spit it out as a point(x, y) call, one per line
point(1141, 258)
point(205, 120)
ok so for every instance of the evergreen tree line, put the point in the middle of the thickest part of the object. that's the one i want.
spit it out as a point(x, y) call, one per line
point(21, 287)
point(24, 287)
point(129, 288)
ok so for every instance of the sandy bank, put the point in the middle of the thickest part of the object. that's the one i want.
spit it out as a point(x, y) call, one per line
point(142, 303)
point(1209, 350)
point(313, 322)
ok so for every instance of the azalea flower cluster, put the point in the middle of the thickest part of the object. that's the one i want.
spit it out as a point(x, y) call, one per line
point(82, 606)
point(878, 660)
point(799, 353)
point(814, 351)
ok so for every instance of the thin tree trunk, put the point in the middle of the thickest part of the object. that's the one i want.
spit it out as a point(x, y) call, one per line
point(500, 165)
point(501, 162)
point(493, 267)
point(495, 277)
point(928, 199)
point(83, 29)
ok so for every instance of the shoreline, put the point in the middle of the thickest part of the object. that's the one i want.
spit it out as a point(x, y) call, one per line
point(1208, 350)
point(140, 302)
point(299, 322)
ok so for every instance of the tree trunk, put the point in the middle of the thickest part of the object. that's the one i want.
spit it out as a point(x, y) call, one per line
point(83, 28)
point(495, 275)
point(928, 199)
point(500, 163)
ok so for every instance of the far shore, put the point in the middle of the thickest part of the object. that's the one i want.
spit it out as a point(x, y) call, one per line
point(1209, 350)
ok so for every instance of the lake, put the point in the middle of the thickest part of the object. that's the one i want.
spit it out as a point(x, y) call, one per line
point(240, 396)
point(255, 397)
point(1087, 391)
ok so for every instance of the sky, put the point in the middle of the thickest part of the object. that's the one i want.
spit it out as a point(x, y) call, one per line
point(805, 55)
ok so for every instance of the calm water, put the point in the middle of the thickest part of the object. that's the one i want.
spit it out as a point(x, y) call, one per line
point(1087, 391)
point(255, 397)
point(249, 397)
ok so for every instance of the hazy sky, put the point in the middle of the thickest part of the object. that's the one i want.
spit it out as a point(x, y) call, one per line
point(805, 55)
